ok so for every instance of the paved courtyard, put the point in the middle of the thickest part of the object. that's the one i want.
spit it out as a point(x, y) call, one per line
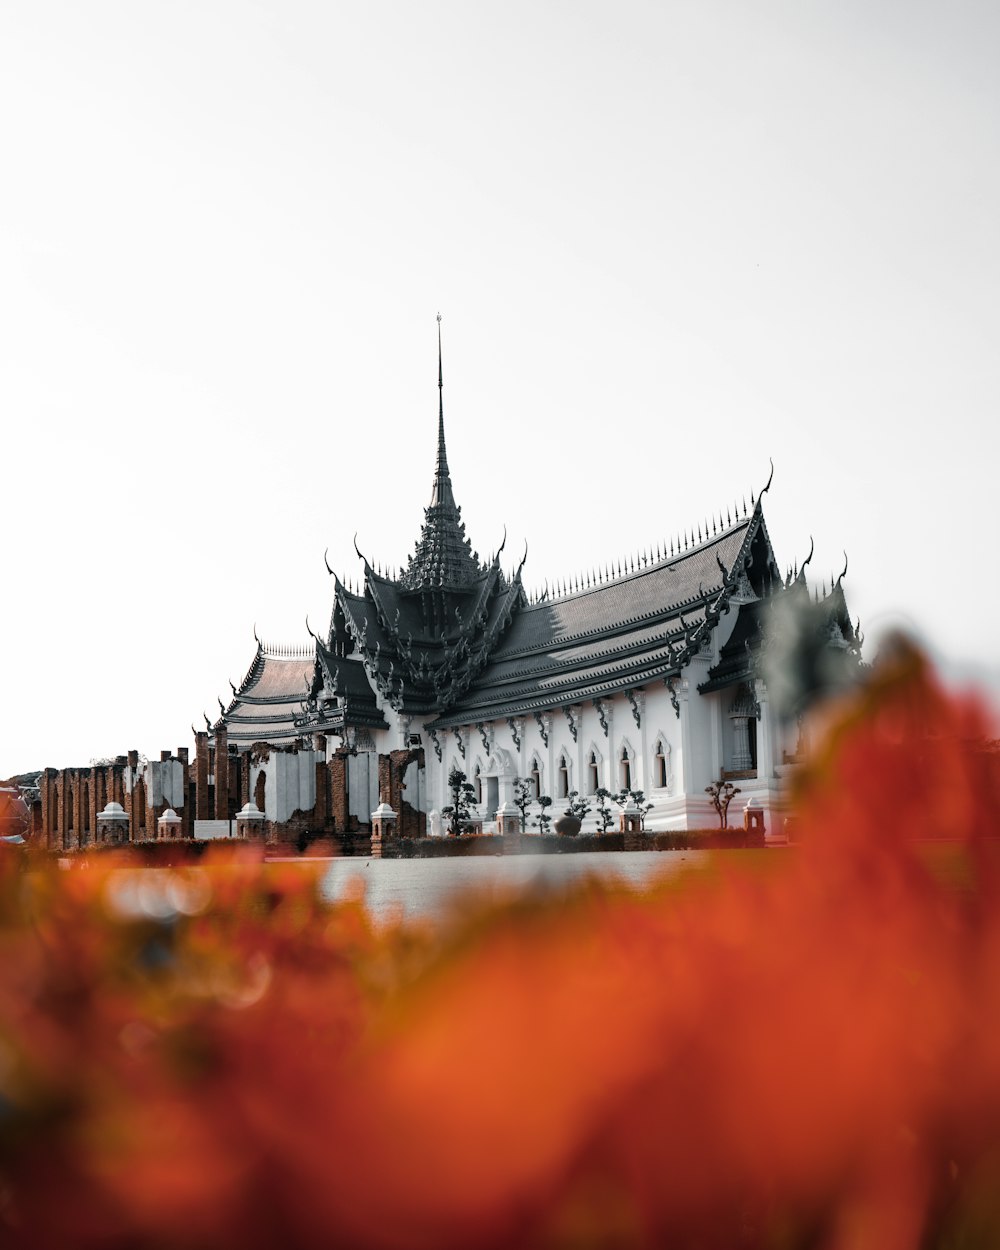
point(425, 887)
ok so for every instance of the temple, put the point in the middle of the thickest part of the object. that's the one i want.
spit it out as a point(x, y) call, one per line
point(686, 665)
point(651, 676)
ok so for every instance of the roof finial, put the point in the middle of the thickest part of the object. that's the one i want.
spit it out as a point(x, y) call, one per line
point(442, 493)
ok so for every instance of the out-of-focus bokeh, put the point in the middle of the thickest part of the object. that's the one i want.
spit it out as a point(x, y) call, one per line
point(781, 1048)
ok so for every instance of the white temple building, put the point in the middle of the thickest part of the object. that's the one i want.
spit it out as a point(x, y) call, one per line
point(652, 677)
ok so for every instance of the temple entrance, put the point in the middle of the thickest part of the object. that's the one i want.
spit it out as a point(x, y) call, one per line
point(498, 775)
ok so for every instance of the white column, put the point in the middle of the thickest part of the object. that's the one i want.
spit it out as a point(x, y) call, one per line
point(717, 723)
point(550, 774)
point(765, 740)
point(613, 782)
point(645, 767)
point(581, 741)
point(687, 747)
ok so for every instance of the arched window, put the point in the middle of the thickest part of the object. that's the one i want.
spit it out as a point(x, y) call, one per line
point(660, 764)
point(563, 776)
point(55, 809)
point(69, 810)
point(593, 774)
point(477, 783)
point(535, 777)
point(260, 789)
point(625, 770)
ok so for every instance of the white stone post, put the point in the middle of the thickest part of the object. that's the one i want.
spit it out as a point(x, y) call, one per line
point(169, 824)
point(249, 821)
point(112, 824)
point(509, 827)
point(383, 827)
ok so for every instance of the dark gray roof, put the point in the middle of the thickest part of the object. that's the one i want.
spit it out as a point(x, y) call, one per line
point(624, 633)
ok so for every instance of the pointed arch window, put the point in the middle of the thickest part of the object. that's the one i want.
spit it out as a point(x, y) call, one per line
point(85, 813)
point(563, 776)
point(69, 810)
point(593, 774)
point(535, 777)
point(477, 783)
point(625, 769)
point(660, 764)
point(55, 810)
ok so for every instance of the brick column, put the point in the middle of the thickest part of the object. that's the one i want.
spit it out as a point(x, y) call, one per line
point(94, 806)
point(221, 774)
point(46, 788)
point(202, 809)
point(338, 792)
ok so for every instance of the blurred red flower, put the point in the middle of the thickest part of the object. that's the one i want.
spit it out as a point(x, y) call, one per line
point(776, 1049)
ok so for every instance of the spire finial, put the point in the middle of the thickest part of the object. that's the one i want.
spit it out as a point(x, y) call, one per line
point(441, 494)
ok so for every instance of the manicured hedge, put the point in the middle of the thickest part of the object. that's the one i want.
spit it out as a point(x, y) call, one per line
point(706, 839)
point(443, 848)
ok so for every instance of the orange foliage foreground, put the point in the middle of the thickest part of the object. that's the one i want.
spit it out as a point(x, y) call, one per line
point(783, 1050)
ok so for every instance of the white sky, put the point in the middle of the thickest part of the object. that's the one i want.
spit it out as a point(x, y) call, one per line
point(668, 240)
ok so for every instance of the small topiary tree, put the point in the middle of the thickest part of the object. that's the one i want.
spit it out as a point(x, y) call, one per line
point(544, 820)
point(722, 793)
point(463, 794)
point(579, 806)
point(523, 799)
point(605, 816)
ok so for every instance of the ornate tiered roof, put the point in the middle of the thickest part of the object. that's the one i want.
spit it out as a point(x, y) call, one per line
point(641, 627)
point(443, 555)
point(268, 702)
point(424, 636)
point(455, 641)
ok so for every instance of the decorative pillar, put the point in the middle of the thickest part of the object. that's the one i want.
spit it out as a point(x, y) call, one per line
point(169, 824)
point(753, 817)
point(509, 827)
point(112, 824)
point(383, 828)
point(630, 824)
point(249, 820)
